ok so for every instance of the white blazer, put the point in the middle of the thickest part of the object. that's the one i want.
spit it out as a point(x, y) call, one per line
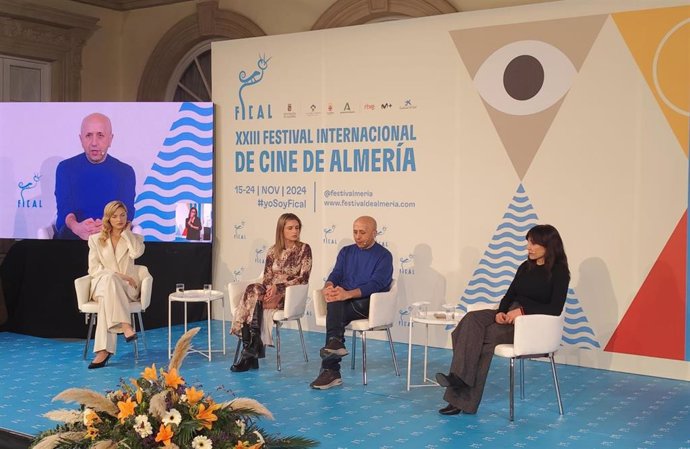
point(104, 260)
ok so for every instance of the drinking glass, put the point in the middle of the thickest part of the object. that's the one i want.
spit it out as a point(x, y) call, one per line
point(179, 288)
point(450, 311)
point(207, 289)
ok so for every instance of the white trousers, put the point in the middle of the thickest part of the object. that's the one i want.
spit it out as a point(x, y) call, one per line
point(113, 296)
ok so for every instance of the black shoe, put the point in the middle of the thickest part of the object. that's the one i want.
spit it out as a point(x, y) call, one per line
point(245, 364)
point(449, 380)
point(101, 364)
point(333, 349)
point(131, 338)
point(328, 378)
point(450, 410)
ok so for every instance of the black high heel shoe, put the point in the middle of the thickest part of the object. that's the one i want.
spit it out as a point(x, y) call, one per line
point(101, 364)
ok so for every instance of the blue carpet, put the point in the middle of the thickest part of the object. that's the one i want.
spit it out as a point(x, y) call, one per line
point(603, 409)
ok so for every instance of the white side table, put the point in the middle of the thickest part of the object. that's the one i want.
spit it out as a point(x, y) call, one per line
point(427, 319)
point(195, 296)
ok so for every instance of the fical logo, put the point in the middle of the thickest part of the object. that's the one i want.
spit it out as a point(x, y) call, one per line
point(327, 239)
point(239, 235)
point(379, 233)
point(404, 261)
point(23, 187)
point(253, 111)
point(237, 274)
point(260, 255)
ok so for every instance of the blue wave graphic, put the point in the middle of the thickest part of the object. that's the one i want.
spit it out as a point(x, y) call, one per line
point(187, 151)
point(186, 181)
point(520, 209)
point(504, 264)
point(188, 137)
point(515, 247)
point(520, 199)
point(149, 224)
point(167, 215)
point(485, 272)
point(206, 112)
point(520, 218)
point(578, 320)
point(577, 330)
point(508, 254)
point(188, 121)
point(182, 196)
point(486, 291)
point(574, 310)
point(523, 229)
point(510, 235)
point(582, 342)
point(188, 166)
point(484, 281)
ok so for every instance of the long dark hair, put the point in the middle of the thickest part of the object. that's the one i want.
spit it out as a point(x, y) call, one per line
point(548, 237)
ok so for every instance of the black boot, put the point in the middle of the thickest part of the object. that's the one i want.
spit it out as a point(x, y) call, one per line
point(246, 361)
point(255, 348)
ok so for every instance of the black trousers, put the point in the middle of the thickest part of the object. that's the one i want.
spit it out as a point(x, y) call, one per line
point(338, 315)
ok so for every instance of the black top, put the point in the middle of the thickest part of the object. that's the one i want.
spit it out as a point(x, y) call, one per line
point(193, 234)
point(535, 292)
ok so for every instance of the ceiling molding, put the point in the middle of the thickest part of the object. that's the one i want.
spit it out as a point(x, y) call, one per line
point(128, 5)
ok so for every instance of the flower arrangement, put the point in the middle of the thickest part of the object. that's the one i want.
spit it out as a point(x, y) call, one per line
point(158, 410)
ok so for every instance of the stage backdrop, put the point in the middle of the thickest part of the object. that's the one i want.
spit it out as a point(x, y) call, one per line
point(460, 132)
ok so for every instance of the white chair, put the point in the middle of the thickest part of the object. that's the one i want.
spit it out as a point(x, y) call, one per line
point(295, 306)
point(83, 287)
point(535, 336)
point(382, 313)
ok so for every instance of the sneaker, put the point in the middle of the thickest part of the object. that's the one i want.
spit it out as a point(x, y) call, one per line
point(326, 379)
point(333, 349)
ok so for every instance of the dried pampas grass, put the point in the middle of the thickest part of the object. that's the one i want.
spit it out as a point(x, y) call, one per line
point(88, 398)
point(105, 444)
point(250, 405)
point(51, 441)
point(64, 415)
point(181, 349)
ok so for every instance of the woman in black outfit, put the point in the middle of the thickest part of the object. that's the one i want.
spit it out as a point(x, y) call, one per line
point(540, 286)
point(193, 225)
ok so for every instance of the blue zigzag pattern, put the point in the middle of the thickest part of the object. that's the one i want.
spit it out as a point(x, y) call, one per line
point(500, 261)
point(182, 171)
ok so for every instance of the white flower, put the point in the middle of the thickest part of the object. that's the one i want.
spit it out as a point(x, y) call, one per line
point(172, 417)
point(183, 398)
point(261, 439)
point(241, 424)
point(202, 442)
point(142, 426)
point(87, 414)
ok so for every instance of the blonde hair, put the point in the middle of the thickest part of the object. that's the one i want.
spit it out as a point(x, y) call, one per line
point(108, 212)
point(279, 246)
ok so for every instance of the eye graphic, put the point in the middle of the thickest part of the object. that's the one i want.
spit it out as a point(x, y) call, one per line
point(524, 77)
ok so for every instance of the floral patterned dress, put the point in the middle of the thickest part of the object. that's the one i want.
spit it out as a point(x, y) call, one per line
point(291, 267)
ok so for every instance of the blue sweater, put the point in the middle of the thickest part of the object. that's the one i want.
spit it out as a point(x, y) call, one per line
point(370, 270)
point(83, 188)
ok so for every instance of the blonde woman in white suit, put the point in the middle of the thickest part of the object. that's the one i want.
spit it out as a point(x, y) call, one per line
point(114, 280)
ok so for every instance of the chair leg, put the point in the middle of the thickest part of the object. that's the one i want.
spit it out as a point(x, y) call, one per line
point(277, 323)
point(522, 379)
point(354, 349)
point(133, 323)
point(512, 388)
point(395, 360)
point(143, 331)
point(555, 384)
point(301, 337)
point(92, 318)
point(364, 358)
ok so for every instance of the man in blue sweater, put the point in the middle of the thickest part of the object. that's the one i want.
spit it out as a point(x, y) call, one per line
point(85, 183)
point(360, 270)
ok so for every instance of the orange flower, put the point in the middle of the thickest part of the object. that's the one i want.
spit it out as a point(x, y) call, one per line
point(206, 416)
point(126, 409)
point(172, 379)
point(193, 396)
point(91, 417)
point(165, 434)
point(140, 395)
point(150, 373)
point(245, 445)
point(91, 432)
